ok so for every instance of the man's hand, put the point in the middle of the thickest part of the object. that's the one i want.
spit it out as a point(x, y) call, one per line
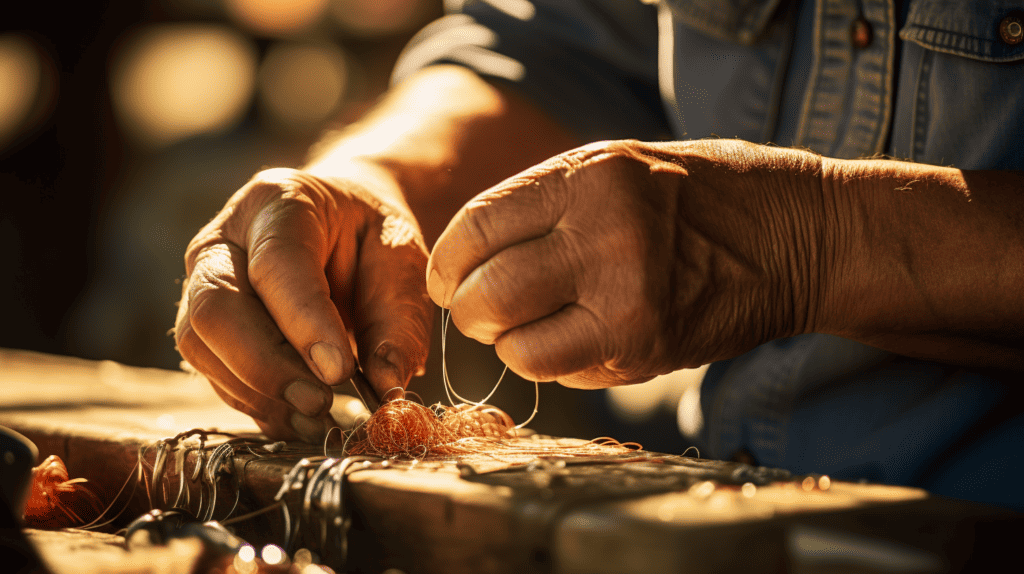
point(619, 261)
point(291, 272)
point(300, 264)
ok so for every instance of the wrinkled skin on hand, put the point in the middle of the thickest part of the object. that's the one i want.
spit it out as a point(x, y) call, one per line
point(620, 261)
point(293, 280)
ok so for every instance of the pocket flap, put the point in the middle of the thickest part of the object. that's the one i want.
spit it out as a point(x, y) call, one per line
point(968, 28)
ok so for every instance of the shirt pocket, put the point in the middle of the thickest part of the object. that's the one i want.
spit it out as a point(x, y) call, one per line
point(960, 95)
point(973, 29)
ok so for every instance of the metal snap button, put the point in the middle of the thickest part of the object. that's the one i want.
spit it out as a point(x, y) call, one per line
point(1011, 30)
point(861, 33)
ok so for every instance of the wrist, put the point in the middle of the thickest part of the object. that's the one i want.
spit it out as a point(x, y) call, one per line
point(782, 220)
point(753, 241)
point(840, 267)
point(377, 179)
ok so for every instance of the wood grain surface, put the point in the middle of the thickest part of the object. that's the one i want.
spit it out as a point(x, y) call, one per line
point(487, 514)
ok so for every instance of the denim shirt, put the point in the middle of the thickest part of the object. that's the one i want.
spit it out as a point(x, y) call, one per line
point(937, 82)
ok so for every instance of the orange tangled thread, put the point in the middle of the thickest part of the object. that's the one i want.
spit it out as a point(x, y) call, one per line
point(403, 428)
point(54, 497)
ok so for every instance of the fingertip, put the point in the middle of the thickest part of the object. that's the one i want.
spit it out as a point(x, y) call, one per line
point(436, 289)
point(387, 368)
point(308, 429)
point(276, 429)
point(307, 397)
point(586, 381)
point(332, 364)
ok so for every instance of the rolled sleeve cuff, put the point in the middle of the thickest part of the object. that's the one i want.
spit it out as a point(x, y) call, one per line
point(578, 62)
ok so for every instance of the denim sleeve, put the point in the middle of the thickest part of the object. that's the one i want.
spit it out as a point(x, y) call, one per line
point(591, 64)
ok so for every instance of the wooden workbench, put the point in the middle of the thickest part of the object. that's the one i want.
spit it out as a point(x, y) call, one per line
point(656, 513)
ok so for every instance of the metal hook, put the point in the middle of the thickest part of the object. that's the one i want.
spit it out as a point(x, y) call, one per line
point(159, 462)
point(334, 511)
point(210, 476)
point(293, 481)
point(312, 489)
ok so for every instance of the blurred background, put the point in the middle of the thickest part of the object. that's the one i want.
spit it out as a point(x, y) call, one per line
point(126, 124)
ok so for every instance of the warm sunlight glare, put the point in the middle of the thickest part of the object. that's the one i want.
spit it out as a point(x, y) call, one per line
point(301, 85)
point(20, 75)
point(174, 81)
point(276, 17)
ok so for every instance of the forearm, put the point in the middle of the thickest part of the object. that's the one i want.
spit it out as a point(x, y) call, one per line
point(438, 139)
point(927, 261)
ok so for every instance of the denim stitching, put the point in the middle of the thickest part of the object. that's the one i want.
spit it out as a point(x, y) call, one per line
point(920, 125)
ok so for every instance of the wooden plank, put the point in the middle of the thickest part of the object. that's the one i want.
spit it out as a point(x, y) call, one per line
point(441, 517)
point(83, 552)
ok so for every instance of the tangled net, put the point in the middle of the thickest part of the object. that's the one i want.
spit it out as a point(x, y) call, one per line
point(403, 428)
point(406, 429)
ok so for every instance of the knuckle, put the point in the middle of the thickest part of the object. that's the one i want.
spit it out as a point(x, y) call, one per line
point(280, 231)
point(187, 340)
point(497, 289)
point(523, 357)
point(196, 248)
point(466, 319)
point(205, 310)
point(572, 255)
point(234, 403)
point(478, 226)
point(283, 187)
point(277, 176)
point(275, 286)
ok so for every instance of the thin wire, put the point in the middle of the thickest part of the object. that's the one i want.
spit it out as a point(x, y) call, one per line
point(136, 470)
point(489, 395)
point(398, 429)
point(352, 433)
point(326, 438)
point(536, 404)
point(448, 388)
point(248, 515)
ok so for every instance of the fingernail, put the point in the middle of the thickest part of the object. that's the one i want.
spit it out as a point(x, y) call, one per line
point(308, 429)
point(328, 361)
point(394, 358)
point(435, 287)
point(305, 397)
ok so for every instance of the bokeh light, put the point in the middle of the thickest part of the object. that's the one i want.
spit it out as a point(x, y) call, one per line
point(173, 81)
point(247, 553)
point(374, 18)
point(276, 17)
point(302, 85)
point(21, 73)
point(303, 557)
point(640, 403)
point(273, 554)
point(244, 561)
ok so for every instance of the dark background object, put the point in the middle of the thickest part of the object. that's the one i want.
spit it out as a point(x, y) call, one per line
point(17, 457)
